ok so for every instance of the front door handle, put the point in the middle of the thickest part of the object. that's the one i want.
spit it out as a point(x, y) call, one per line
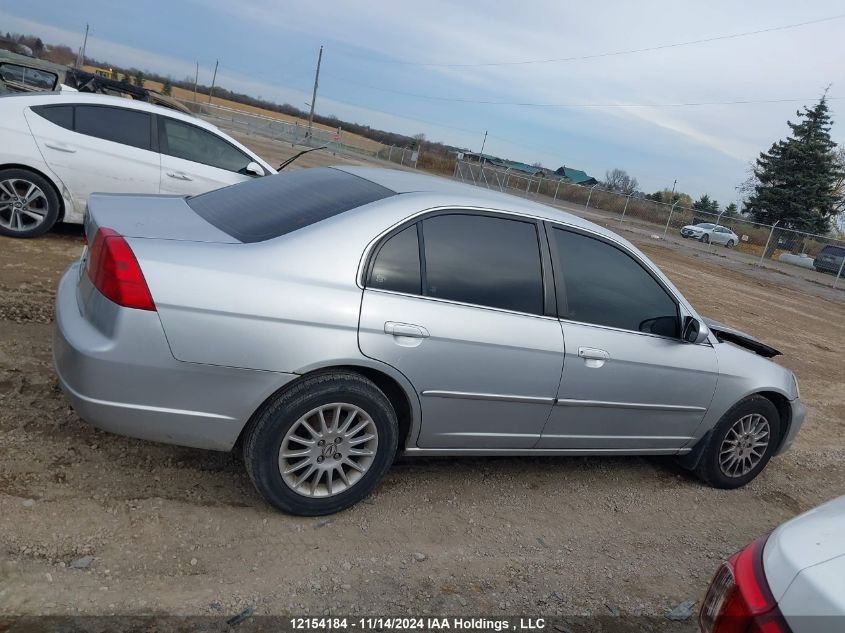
point(405, 329)
point(179, 175)
point(60, 147)
point(593, 357)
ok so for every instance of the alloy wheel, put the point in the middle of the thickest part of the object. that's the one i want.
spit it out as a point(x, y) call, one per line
point(23, 205)
point(328, 450)
point(744, 445)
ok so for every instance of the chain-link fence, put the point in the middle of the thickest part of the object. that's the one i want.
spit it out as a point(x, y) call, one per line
point(292, 132)
point(812, 256)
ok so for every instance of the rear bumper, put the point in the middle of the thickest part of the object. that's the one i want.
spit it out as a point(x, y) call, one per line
point(798, 413)
point(120, 375)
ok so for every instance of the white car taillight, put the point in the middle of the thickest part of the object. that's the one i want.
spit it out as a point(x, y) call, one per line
point(739, 599)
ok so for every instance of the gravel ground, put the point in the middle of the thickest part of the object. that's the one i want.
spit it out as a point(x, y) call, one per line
point(97, 524)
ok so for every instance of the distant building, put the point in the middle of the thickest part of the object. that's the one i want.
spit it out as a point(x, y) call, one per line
point(510, 165)
point(575, 176)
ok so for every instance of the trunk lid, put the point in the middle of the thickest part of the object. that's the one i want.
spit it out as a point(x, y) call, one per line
point(150, 216)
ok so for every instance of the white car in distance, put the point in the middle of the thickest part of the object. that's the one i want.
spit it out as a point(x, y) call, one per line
point(708, 232)
point(57, 149)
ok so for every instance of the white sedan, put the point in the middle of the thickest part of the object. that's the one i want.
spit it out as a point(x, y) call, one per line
point(57, 149)
point(707, 232)
point(791, 581)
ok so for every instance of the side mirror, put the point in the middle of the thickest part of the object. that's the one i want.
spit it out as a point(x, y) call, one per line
point(254, 169)
point(695, 331)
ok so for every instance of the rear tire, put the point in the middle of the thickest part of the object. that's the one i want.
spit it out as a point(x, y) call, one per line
point(29, 205)
point(730, 244)
point(295, 433)
point(734, 455)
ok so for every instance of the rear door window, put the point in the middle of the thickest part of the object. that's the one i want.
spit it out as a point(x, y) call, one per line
point(189, 142)
point(119, 125)
point(483, 260)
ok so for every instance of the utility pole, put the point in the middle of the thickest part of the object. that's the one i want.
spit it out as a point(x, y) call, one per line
point(80, 57)
point(672, 197)
point(481, 157)
point(314, 94)
point(213, 79)
point(196, 80)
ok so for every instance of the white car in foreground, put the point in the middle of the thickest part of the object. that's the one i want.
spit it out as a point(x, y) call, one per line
point(791, 581)
point(57, 149)
point(708, 232)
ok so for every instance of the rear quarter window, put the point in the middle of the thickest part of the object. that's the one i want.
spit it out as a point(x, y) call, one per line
point(272, 206)
point(61, 115)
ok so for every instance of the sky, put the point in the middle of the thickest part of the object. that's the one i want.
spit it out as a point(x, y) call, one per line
point(423, 67)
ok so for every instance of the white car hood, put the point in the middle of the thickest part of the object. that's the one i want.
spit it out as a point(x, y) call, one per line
point(808, 540)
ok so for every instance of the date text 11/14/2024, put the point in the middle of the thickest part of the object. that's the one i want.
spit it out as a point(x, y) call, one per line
point(416, 624)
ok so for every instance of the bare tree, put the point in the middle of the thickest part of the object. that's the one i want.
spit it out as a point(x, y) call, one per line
point(839, 188)
point(618, 180)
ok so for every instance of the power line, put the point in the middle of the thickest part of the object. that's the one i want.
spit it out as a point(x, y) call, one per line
point(573, 58)
point(576, 105)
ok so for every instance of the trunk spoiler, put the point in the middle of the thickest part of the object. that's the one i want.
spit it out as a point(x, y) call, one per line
point(727, 334)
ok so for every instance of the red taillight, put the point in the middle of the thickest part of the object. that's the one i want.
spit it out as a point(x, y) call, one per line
point(739, 599)
point(115, 272)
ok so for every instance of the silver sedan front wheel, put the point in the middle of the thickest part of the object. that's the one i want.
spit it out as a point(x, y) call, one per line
point(328, 450)
point(744, 445)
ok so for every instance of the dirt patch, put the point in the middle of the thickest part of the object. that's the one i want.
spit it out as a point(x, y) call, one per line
point(181, 531)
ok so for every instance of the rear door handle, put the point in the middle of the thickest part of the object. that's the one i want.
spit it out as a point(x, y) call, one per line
point(60, 147)
point(405, 329)
point(178, 175)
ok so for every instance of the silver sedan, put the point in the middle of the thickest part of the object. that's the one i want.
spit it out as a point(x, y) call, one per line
point(323, 320)
point(708, 232)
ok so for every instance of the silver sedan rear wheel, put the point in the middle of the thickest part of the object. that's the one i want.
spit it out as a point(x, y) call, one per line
point(328, 450)
point(744, 445)
point(23, 206)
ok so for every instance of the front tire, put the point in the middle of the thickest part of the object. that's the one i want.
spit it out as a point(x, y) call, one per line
point(29, 206)
point(705, 239)
point(322, 445)
point(741, 445)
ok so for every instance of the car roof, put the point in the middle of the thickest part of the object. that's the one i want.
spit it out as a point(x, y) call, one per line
point(437, 190)
point(71, 98)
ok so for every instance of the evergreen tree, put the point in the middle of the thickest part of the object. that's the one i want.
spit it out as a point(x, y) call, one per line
point(731, 211)
point(167, 89)
point(796, 178)
point(139, 78)
point(705, 204)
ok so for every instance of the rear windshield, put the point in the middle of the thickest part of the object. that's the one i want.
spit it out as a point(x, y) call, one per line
point(269, 207)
